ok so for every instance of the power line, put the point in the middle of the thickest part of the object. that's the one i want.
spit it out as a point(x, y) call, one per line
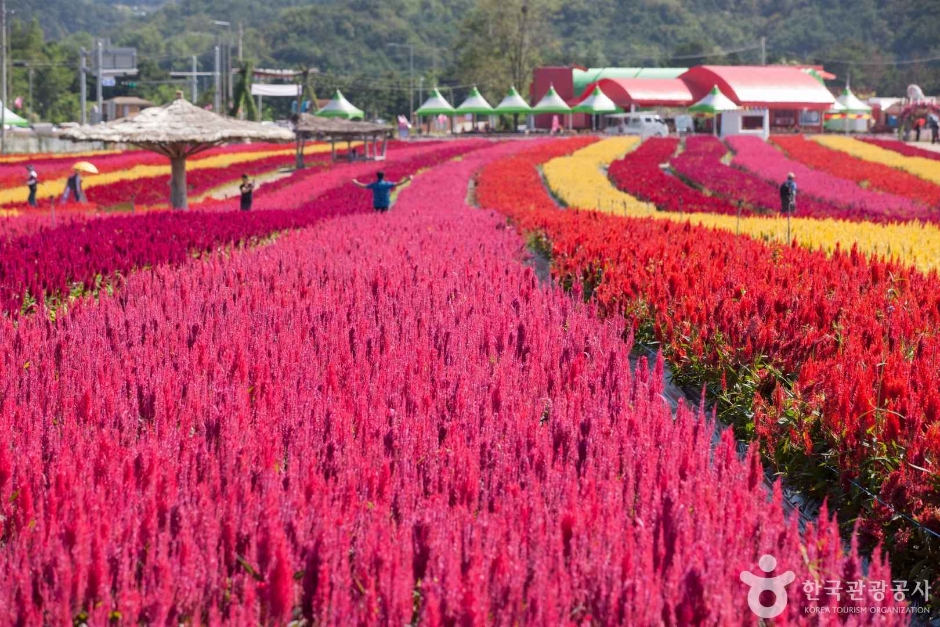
point(717, 53)
point(868, 63)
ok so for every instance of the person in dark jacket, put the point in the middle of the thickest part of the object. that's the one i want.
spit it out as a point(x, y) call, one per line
point(32, 182)
point(73, 189)
point(247, 189)
point(788, 194)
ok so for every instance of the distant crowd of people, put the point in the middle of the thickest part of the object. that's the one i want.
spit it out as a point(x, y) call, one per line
point(917, 126)
point(73, 187)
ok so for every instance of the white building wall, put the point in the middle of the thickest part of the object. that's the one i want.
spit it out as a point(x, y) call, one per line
point(732, 123)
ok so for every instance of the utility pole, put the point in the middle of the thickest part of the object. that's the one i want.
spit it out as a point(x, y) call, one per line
point(228, 75)
point(411, 75)
point(83, 85)
point(99, 91)
point(241, 35)
point(195, 86)
point(217, 100)
point(192, 77)
point(29, 73)
point(3, 108)
point(763, 51)
point(222, 89)
point(226, 93)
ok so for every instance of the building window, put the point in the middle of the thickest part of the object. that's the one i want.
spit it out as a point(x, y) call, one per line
point(809, 118)
point(752, 122)
point(783, 117)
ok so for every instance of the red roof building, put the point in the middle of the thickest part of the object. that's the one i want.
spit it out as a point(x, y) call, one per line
point(765, 87)
point(794, 96)
point(630, 93)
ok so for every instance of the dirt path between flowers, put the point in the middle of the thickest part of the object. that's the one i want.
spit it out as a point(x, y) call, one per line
point(230, 190)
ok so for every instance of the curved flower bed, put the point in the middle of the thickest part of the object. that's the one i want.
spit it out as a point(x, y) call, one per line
point(757, 156)
point(59, 165)
point(927, 169)
point(51, 262)
point(700, 162)
point(872, 175)
point(139, 164)
point(381, 421)
point(156, 190)
point(901, 148)
point(578, 180)
point(829, 363)
point(640, 175)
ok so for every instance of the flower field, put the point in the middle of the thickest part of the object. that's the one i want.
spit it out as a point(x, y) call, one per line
point(761, 158)
point(311, 413)
point(902, 148)
point(868, 174)
point(135, 166)
point(927, 169)
point(640, 174)
point(799, 360)
point(578, 180)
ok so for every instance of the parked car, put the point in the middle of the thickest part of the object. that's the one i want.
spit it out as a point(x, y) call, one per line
point(642, 124)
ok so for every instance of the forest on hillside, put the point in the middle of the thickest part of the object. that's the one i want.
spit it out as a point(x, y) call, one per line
point(362, 46)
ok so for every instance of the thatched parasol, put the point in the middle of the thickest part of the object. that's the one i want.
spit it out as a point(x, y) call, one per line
point(177, 130)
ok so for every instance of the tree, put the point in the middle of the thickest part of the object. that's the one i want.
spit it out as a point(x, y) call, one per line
point(502, 41)
point(242, 94)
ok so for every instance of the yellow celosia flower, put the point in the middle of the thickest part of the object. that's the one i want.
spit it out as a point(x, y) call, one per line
point(927, 169)
point(580, 181)
point(36, 156)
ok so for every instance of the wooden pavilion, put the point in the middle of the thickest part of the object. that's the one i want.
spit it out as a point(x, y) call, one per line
point(374, 137)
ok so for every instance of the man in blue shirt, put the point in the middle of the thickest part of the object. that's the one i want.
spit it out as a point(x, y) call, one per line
point(381, 190)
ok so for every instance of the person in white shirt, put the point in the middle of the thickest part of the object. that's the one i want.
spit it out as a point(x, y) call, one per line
point(32, 181)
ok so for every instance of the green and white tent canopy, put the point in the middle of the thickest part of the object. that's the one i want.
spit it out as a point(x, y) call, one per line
point(475, 104)
point(596, 104)
point(435, 105)
point(851, 104)
point(11, 119)
point(339, 107)
point(513, 103)
point(714, 102)
point(551, 102)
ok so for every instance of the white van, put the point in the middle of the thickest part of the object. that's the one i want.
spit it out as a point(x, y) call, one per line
point(642, 124)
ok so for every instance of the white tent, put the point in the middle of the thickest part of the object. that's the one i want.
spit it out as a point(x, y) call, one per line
point(435, 105)
point(513, 103)
point(851, 102)
point(551, 102)
point(848, 114)
point(596, 104)
point(339, 107)
point(713, 104)
point(11, 119)
point(475, 104)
